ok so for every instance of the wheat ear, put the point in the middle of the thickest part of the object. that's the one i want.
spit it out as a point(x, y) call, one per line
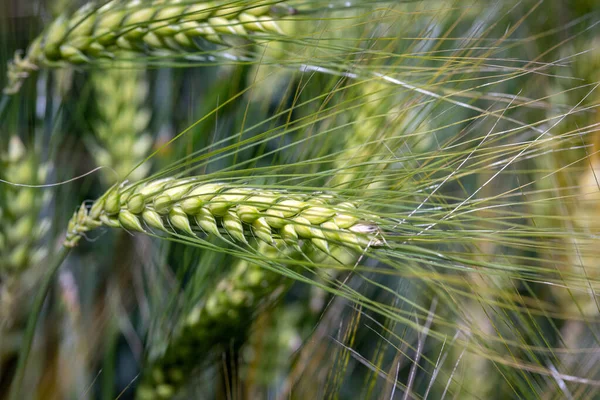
point(216, 320)
point(185, 204)
point(20, 227)
point(361, 144)
point(121, 141)
point(97, 31)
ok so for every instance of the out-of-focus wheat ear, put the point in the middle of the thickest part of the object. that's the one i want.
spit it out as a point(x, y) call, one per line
point(221, 316)
point(21, 227)
point(96, 32)
point(121, 141)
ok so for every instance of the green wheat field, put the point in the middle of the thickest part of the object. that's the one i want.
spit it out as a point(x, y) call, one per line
point(307, 199)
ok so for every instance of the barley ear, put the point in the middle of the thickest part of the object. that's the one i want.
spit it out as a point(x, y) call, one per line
point(94, 33)
point(190, 207)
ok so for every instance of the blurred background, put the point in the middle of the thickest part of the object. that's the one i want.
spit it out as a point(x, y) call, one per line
point(468, 128)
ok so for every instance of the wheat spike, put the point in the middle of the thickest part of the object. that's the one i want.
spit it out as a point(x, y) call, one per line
point(98, 31)
point(362, 143)
point(185, 205)
point(214, 321)
point(121, 142)
point(20, 228)
point(21, 231)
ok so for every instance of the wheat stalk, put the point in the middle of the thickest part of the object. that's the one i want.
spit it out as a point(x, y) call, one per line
point(240, 211)
point(122, 143)
point(97, 31)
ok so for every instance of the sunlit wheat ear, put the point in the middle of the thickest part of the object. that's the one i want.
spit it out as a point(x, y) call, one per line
point(222, 315)
point(189, 206)
point(121, 141)
point(20, 225)
point(97, 31)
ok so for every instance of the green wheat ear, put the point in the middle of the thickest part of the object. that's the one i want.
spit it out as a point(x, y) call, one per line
point(221, 316)
point(121, 141)
point(20, 227)
point(190, 205)
point(95, 32)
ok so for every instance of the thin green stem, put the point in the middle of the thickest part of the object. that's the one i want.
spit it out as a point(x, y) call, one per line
point(46, 281)
point(110, 357)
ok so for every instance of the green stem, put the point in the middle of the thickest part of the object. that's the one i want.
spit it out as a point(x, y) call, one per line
point(110, 359)
point(46, 281)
